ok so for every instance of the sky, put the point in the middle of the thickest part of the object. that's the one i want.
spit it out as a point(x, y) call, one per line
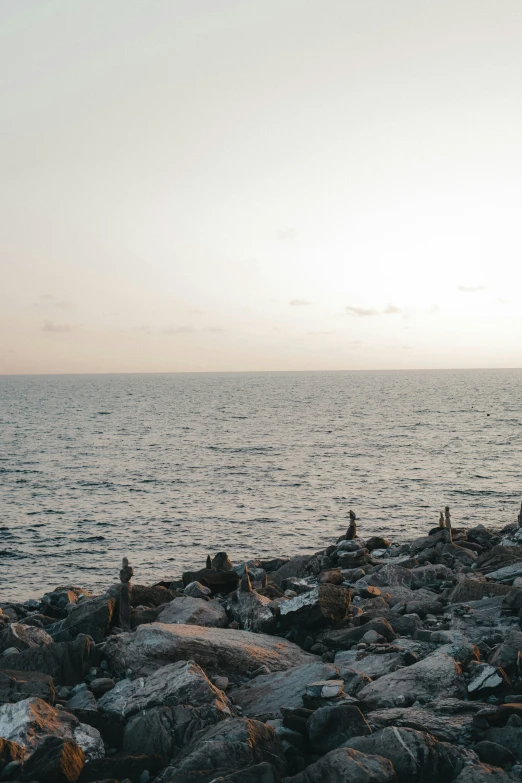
point(215, 185)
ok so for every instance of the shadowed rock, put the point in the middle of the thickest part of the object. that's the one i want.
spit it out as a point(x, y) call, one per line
point(194, 611)
point(345, 765)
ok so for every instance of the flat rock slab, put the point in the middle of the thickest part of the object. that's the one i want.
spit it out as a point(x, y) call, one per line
point(446, 719)
point(374, 666)
point(194, 611)
point(66, 662)
point(178, 683)
point(217, 650)
point(438, 675)
point(266, 694)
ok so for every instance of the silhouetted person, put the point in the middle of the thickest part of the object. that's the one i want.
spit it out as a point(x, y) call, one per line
point(447, 520)
point(209, 562)
point(352, 529)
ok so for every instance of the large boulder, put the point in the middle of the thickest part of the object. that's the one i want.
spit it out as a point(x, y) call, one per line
point(17, 686)
point(300, 566)
point(344, 638)
point(508, 654)
point(91, 617)
point(483, 773)
point(10, 752)
point(263, 697)
point(417, 757)
point(373, 666)
point(217, 581)
point(56, 760)
point(345, 765)
point(66, 662)
point(157, 595)
point(252, 611)
point(448, 720)
point(473, 590)
point(229, 746)
point(194, 611)
point(183, 682)
point(331, 725)
point(122, 767)
point(327, 603)
point(218, 650)
point(438, 675)
point(390, 576)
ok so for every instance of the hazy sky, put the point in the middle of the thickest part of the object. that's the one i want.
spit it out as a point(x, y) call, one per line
point(260, 184)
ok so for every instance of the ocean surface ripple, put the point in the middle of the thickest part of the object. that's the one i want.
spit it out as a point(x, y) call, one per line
point(168, 468)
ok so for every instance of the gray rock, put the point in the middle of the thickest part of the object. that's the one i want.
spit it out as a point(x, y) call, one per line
point(66, 662)
point(56, 759)
point(23, 637)
point(487, 680)
point(438, 675)
point(17, 686)
point(101, 685)
point(176, 684)
point(507, 574)
point(373, 666)
point(492, 753)
point(448, 720)
point(235, 744)
point(416, 756)
point(218, 650)
point(344, 638)
point(82, 700)
point(194, 611)
point(330, 726)
point(508, 655)
point(483, 773)
point(390, 575)
point(263, 697)
point(197, 590)
point(509, 737)
point(345, 765)
point(300, 566)
point(327, 603)
point(325, 689)
point(252, 611)
point(91, 617)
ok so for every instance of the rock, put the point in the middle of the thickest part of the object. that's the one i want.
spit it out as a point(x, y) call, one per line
point(197, 590)
point(194, 611)
point(499, 557)
point(507, 655)
point(345, 765)
point(473, 590)
point(217, 650)
point(438, 675)
point(376, 542)
point(448, 720)
point(333, 576)
point(430, 574)
point(344, 638)
point(10, 752)
point(221, 562)
point(300, 566)
point(373, 666)
point(507, 574)
point(220, 682)
point(259, 773)
point(91, 617)
point(252, 611)
point(491, 753)
point(66, 662)
point(23, 637)
point(56, 760)
point(416, 756)
point(482, 773)
point(512, 600)
point(265, 695)
point(176, 684)
point(389, 576)
point(101, 685)
point(327, 603)
point(330, 726)
point(17, 686)
point(236, 744)
point(487, 680)
point(217, 581)
point(509, 737)
point(82, 700)
point(121, 768)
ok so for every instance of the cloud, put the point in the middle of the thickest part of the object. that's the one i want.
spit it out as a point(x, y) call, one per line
point(48, 301)
point(315, 334)
point(213, 329)
point(361, 311)
point(366, 312)
point(470, 289)
point(50, 326)
point(300, 303)
point(285, 233)
point(179, 330)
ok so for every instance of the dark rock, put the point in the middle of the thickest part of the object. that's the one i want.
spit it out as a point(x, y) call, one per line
point(373, 666)
point(482, 773)
point(391, 576)
point(330, 726)
point(494, 754)
point(221, 562)
point(66, 662)
point(236, 745)
point(143, 615)
point(10, 752)
point(507, 655)
point(376, 542)
point(121, 766)
point(252, 611)
point(82, 700)
point(448, 720)
point(55, 760)
point(217, 581)
point(345, 765)
point(23, 637)
point(101, 685)
point(499, 557)
point(332, 576)
point(259, 773)
point(473, 590)
point(91, 617)
point(154, 596)
point(16, 686)
point(416, 756)
point(300, 566)
point(344, 638)
point(487, 680)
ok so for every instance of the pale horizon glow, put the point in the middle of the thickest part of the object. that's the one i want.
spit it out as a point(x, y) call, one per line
point(214, 185)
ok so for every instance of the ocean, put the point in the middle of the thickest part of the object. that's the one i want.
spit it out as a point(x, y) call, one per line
point(168, 468)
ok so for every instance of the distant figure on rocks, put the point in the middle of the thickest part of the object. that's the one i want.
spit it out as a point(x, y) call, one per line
point(245, 586)
point(447, 520)
point(126, 574)
point(442, 523)
point(209, 562)
point(520, 517)
point(352, 529)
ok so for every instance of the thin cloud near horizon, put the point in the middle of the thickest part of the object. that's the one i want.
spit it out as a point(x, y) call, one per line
point(364, 312)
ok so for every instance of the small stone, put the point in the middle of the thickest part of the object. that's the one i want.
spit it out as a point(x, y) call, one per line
point(220, 682)
point(197, 590)
point(101, 685)
point(11, 651)
point(325, 689)
point(372, 637)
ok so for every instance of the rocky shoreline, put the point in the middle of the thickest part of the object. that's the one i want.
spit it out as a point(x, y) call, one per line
point(367, 662)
